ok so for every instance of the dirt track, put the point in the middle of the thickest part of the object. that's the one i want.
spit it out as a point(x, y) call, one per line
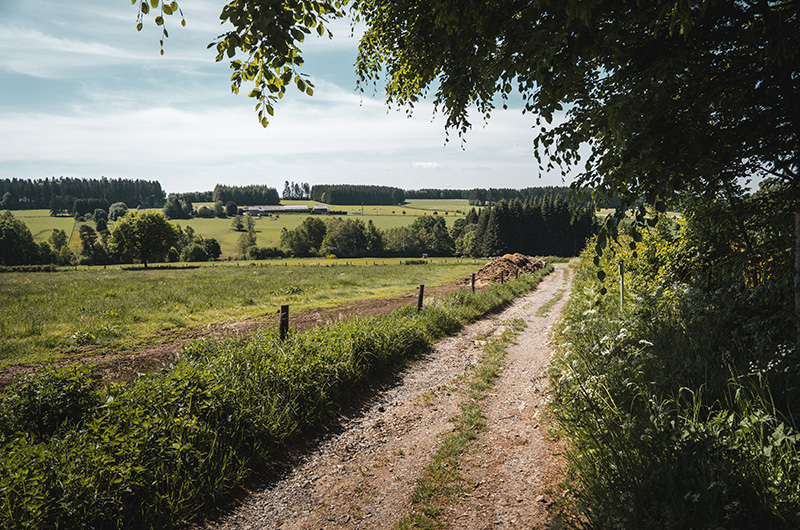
point(362, 477)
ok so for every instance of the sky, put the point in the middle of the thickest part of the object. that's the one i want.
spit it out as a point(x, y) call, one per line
point(83, 94)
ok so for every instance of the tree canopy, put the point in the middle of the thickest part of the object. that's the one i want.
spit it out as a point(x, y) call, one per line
point(653, 101)
point(143, 236)
point(669, 96)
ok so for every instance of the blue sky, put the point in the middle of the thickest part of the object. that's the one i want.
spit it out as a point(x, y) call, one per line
point(83, 94)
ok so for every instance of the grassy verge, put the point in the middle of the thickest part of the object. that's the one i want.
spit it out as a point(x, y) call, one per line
point(673, 420)
point(442, 482)
point(154, 452)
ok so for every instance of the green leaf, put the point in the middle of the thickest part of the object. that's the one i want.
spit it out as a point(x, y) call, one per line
point(139, 26)
point(154, 3)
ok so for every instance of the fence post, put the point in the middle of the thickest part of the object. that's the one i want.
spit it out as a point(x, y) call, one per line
point(502, 277)
point(621, 287)
point(473, 282)
point(419, 300)
point(283, 328)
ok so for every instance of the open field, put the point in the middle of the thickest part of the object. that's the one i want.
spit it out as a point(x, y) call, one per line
point(268, 229)
point(44, 315)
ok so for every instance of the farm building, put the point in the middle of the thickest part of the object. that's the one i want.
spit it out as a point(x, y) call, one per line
point(270, 210)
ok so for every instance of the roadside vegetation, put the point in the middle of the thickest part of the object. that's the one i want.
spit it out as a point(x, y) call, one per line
point(681, 408)
point(152, 453)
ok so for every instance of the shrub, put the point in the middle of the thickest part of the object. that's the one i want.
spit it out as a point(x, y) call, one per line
point(194, 252)
point(48, 400)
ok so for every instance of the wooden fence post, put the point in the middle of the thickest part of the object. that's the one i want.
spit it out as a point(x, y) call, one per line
point(283, 328)
point(421, 295)
point(473, 282)
point(621, 287)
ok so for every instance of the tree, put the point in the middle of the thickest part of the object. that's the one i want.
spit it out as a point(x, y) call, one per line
point(143, 236)
point(117, 210)
point(58, 239)
point(306, 239)
point(432, 235)
point(16, 242)
point(230, 208)
point(671, 99)
point(212, 247)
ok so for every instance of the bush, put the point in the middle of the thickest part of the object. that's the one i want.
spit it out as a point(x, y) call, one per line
point(255, 252)
point(194, 252)
point(49, 400)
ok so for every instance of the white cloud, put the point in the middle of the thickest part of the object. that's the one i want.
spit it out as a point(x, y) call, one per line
point(173, 118)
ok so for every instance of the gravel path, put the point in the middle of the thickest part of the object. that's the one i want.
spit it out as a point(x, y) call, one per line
point(362, 477)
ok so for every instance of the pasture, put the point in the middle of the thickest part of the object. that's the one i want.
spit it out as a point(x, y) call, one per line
point(44, 315)
point(268, 229)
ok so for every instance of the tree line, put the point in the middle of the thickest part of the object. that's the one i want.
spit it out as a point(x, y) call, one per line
point(141, 236)
point(490, 196)
point(60, 194)
point(296, 190)
point(252, 195)
point(357, 194)
point(546, 226)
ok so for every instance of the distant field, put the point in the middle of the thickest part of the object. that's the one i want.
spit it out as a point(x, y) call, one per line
point(268, 229)
point(42, 314)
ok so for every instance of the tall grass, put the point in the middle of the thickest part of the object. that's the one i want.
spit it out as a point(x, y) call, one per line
point(670, 424)
point(42, 314)
point(154, 452)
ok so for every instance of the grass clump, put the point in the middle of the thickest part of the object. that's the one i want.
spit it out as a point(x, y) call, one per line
point(442, 482)
point(154, 452)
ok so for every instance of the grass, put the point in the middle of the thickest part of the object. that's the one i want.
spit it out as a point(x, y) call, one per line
point(442, 483)
point(673, 415)
point(44, 314)
point(547, 306)
point(155, 452)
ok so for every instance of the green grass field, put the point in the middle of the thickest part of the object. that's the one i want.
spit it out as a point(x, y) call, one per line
point(44, 314)
point(268, 229)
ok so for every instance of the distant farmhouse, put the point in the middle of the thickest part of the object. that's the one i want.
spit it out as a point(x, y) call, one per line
point(319, 209)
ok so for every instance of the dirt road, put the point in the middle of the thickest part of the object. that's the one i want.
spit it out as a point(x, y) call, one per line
point(362, 477)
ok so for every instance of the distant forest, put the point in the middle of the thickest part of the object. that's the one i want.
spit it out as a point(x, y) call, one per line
point(252, 195)
point(60, 194)
point(546, 225)
point(357, 194)
point(490, 196)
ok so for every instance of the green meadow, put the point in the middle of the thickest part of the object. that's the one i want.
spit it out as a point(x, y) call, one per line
point(44, 315)
point(268, 229)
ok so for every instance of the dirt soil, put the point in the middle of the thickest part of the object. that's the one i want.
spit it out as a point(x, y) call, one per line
point(362, 476)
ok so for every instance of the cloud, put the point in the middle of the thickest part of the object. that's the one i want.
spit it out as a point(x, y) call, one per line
point(426, 165)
